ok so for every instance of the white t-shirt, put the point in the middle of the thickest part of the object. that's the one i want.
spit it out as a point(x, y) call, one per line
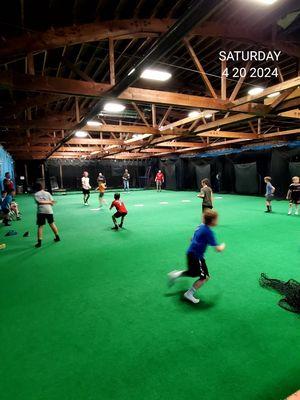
point(42, 195)
point(85, 181)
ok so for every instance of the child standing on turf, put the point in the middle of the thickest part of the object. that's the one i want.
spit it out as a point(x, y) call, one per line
point(121, 211)
point(197, 267)
point(86, 187)
point(293, 195)
point(206, 195)
point(159, 179)
point(44, 202)
point(269, 193)
point(101, 188)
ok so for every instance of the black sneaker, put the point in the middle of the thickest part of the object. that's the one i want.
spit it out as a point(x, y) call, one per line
point(115, 228)
point(57, 239)
point(39, 244)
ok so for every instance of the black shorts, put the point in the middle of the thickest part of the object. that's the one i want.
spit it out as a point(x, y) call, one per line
point(85, 191)
point(295, 200)
point(119, 214)
point(42, 218)
point(206, 207)
point(196, 267)
point(101, 194)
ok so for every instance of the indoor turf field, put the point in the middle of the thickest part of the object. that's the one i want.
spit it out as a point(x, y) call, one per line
point(92, 318)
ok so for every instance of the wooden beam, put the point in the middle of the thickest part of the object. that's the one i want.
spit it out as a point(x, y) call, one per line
point(179, 144)
point(111, 62)
point(223, 80)
point(88, 141)
point(291, 114)
point(136, 28)
point(229, 134)
point(72, 87)
point(185, 121)
point(153, 109)
point(140, 113)
point(222, 122)
point(200, 68)
point(30, 64)
point(289, 84)
point(76, 70)
point(240, 82)
point(165, 117)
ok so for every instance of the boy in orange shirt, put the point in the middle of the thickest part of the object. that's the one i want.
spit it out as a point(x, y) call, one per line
point(101, 189)
point(121, 211)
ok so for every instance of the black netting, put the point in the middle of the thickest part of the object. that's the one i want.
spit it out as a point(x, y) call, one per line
point(202, 172)
point(290, 290)
point(246, 179)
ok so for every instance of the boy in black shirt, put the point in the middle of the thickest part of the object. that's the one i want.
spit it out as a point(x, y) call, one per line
point(293, 195)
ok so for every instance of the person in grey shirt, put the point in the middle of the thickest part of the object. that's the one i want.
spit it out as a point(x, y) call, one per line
point(206, 195)
point(44, 202)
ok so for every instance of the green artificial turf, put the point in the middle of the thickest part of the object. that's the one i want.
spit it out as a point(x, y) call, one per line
point(92, 318)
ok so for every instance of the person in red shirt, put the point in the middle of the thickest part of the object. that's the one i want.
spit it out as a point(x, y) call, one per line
point(121, 211)
point(159, 179)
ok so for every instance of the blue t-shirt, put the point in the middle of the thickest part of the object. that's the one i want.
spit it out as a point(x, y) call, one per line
point(6, 202)
point(269, 189)
point(203, 237)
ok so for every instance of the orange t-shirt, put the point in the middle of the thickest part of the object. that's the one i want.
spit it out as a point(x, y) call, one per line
point(101, 187)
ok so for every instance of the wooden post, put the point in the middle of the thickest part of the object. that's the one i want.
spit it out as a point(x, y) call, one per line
point(77, 112)
point(30, 64)
point(153, 116)
point(223, 80)
point(111, 62)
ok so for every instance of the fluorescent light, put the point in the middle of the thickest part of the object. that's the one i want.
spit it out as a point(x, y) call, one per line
point(267, 1)
point(255, 90)
point(156, 75)
point(207, 116)
point(131, 71)
point(194, 114)
point(94, 123)
point(275, 94)
point(81, 134)
point(114, 107)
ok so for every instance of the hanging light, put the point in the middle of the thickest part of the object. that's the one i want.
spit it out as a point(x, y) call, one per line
point(81, 134)
point(114, 107)
point(156, 75)
point(256, 90)
point(94, 123)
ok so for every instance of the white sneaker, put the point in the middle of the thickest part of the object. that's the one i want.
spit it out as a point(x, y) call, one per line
point(296, 212)
point(290, 212)
point(190, 297)
point(173, 275)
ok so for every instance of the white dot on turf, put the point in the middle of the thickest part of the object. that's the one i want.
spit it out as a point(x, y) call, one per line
point(185, 201)
point(218, 197)
point(94, 209)
point(163, 202)
point(138, 205)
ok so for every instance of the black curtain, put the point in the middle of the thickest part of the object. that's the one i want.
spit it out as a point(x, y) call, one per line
point(246, 180)
point(202, 172)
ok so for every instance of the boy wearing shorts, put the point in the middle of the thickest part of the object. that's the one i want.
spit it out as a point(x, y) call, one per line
point(101, 189)
point(293, 195)
point(121, 211)
point(197, 267)
point(206, 195)
point(269, 193)
point(44, 202)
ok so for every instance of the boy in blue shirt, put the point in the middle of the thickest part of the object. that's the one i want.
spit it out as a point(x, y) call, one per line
point(269, 193)
point(197, 267)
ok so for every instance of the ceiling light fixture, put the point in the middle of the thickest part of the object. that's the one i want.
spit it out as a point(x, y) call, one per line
point(94, 123)
point(156, 75)
point(207, 116)
point(275, 94)
point(81, 134)
point(194, 114)
point(267, 2)
point(256, 90)
point(114, 107)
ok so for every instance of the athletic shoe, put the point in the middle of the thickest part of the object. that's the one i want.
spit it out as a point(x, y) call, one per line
point(57, 239)
point(115, 228)
point(172, 276)
point(290, 212)
point(191, 298)
point(296, 212)
point(38, 245)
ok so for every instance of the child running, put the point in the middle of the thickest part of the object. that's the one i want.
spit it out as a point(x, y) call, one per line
point(293, 195)
point(121, 211)
point(269, 193)
point(206, 195)
point(197, 267)
point(44, 202)
point(101, 189)
point(86, 187)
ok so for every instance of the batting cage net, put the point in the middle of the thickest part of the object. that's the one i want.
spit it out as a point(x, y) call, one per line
point(290, 290)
